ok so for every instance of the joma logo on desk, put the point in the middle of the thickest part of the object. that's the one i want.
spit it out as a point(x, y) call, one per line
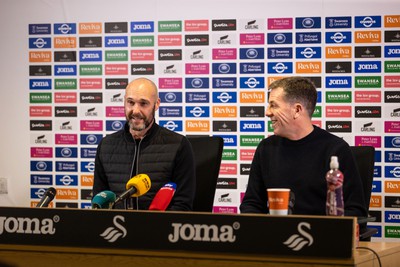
point(203, 232)
point(26, 225)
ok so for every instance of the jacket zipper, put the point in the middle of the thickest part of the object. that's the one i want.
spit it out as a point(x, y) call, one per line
point(137, 166)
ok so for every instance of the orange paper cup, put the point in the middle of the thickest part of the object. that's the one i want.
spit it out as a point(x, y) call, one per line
point(278, 199)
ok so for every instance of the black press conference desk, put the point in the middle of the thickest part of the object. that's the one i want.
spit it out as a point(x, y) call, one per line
point(74, 237)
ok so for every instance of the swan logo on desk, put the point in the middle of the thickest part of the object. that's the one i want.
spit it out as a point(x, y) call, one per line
point(111, 234)
point(296, 242)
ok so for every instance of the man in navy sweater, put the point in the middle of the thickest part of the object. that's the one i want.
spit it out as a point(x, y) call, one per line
point(297, 156)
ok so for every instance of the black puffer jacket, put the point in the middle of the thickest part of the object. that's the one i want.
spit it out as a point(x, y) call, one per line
point(165, 156)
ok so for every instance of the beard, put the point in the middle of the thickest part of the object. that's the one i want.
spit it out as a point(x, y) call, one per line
point(143, 123)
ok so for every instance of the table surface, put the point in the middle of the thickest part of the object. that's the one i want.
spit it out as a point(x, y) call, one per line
point(23, 255)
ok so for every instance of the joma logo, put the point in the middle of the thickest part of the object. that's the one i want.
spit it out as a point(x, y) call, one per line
point(27, 225)
point(203, 232)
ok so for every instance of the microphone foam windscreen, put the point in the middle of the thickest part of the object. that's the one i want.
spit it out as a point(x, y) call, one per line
point(163, 197)
point(103, 199)
point(141, 182)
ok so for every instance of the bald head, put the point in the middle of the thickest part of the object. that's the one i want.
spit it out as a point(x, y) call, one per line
point(141, 103)
point(143, 85)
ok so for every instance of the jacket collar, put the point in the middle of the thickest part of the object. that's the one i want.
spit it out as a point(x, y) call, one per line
point(150, 133)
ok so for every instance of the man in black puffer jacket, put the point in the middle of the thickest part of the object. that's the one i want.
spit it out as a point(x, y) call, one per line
point(145, 147)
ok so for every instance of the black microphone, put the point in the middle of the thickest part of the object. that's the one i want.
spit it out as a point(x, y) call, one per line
point(292, 200)
point(47, 197)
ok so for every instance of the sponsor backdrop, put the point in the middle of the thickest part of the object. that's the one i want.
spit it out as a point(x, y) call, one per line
point(68, 63)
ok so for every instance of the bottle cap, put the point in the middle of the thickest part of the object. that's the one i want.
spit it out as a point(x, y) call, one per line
point(334, 163)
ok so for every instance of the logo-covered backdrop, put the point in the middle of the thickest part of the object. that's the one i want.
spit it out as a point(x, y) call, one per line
point(212, 70)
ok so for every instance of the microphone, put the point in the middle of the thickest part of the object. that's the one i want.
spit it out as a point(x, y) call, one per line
point(135, 187)
point(292, 200)
point(163, 197)
point(47, 197)
point(103, 200)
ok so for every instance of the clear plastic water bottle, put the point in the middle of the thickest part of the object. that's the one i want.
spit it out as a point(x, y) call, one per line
point(334, 196)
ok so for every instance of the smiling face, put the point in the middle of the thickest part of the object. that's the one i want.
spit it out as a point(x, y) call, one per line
point(141, 103)
point(291, 103)
point(281, 113)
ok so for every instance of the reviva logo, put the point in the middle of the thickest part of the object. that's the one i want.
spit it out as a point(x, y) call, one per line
point(367, 36)
point(308, 67)
point(273, 79)
point(376, 201)
point(224, 111)
point(392, 21)
point(252, 97)
point(197, 125)
point(42, 56)
point(87, 180)
point(67, 194)
point(90, 28)
point(392, 187)
point(338, 52)
point(65, 42)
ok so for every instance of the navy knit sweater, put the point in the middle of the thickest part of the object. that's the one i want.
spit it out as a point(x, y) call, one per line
point(301, 166)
